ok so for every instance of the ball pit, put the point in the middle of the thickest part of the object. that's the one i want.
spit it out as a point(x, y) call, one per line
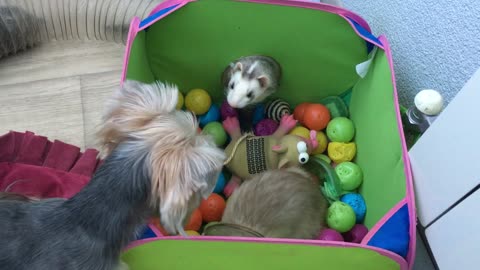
point(335, 133)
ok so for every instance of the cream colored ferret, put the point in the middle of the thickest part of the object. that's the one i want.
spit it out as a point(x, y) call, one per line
point(283, 203)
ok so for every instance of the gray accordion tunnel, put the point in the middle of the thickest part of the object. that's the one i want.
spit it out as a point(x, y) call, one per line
point(26, 23)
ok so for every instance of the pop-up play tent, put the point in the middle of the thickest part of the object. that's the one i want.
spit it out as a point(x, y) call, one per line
point(324, 51)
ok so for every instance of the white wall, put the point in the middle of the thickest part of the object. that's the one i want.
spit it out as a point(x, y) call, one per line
point(435, 43)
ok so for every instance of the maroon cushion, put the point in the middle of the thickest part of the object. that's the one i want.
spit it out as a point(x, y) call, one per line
point(34, 166)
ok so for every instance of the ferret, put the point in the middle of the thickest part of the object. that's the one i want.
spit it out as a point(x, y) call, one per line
point(250, 80)
point(281, 203)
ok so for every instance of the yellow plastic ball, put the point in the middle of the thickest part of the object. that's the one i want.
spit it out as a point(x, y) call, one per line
point(198, 101)
point(341, 152)
point(300, 131)
point(322, 143)
point(192, 233)
point(180, 101)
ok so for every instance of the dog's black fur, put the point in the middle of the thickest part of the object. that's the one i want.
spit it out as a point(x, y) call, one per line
point(101, 219)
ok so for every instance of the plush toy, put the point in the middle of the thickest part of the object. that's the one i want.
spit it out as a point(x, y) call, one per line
point(248, 154)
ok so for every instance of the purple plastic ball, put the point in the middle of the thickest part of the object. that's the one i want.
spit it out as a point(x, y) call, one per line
point(266, 127)
point(356, 234)
point(227, 111)
point(330, 235)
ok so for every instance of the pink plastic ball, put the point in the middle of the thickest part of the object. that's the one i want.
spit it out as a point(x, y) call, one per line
point(266, 127)
point(227, 111)
point(356, 234)
point(330, 235)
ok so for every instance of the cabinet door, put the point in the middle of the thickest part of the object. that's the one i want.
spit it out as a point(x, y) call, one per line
point(455, 239)
point(445, 160)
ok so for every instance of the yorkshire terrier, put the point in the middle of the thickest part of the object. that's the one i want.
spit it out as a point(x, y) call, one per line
point(155, 161)
point(280, 203)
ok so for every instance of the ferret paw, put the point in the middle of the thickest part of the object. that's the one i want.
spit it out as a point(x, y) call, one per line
point(232, 126)
point(287, 123)
point(230, 187)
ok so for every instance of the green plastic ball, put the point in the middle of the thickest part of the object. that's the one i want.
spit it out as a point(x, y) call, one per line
point(340, 129)
point(350, 175)
point(340, 217)
point(324, 157)
point(215, 129)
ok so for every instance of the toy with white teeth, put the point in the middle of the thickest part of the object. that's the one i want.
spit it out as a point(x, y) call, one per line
point(249, 155)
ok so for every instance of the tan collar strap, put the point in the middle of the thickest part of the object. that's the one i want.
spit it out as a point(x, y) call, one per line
point(233, 227)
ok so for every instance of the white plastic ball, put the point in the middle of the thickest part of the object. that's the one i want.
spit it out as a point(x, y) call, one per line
point(429, 102)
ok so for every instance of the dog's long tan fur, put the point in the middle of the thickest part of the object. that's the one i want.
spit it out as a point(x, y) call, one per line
point(181, 159)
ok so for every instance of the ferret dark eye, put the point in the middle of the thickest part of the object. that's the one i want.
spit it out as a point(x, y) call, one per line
point(232, 85)
point(250, 95)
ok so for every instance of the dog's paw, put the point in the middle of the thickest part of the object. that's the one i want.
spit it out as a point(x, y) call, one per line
point(122, 266)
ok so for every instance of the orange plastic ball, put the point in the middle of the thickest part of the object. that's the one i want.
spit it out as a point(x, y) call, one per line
point(212, 208)
point(195, 221)
point(299, 111)
point(316, 116)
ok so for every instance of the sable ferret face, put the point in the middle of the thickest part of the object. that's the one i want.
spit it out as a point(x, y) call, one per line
point(245, 88)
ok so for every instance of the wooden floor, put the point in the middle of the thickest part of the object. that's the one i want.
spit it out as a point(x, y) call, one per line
point(58, 89)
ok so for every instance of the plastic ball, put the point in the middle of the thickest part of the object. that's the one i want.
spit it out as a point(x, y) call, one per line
point(341, 152)
point(277, 108)
point(265, 127)
point(212, 115)
point(220, 185)
point(324, 157)
point(340, 129)
point(300, 111)
point(192, 233)
point(258, 113)
point(195, 221)
point(340, 217)
point(212, 208)
point(180, 101)
point(227, 111)
point(330, 235)
point(322, 143)
point(198, 101)
point(300, 131)
point(429, 102)
point(316, 116)
point(356, 234)
point(356, 201)
point(215, 129)
point(350, 175)
point(336, 106)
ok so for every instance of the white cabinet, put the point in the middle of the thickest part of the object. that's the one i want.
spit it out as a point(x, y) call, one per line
point(446, 159)
point(455, 239)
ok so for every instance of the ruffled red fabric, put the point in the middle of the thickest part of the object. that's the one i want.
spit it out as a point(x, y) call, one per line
point(34, 166)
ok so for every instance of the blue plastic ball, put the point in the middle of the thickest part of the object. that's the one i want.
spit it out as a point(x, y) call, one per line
point(212, 115)
point(259, 113)
point(356, 201)
point(220, 184)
